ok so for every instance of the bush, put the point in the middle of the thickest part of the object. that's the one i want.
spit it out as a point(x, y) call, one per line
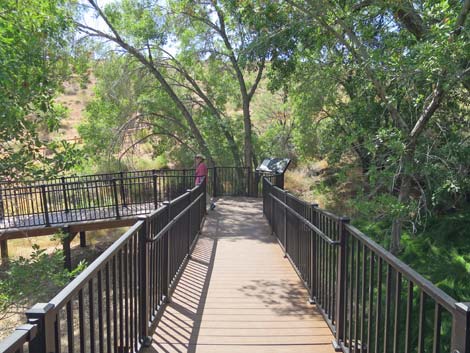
point(26, 281)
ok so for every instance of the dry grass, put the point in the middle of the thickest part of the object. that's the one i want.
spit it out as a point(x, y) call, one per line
point(302, 180)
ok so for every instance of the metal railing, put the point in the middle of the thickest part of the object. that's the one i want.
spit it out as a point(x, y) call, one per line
point(117, 301)
point(372, 301)
point(88, 199)
point(110, 196)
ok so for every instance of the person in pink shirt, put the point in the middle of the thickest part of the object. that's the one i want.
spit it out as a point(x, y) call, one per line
point(201, 172)
point(201, 169)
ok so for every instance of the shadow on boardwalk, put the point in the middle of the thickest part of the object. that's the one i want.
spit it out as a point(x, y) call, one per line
point(238, 293)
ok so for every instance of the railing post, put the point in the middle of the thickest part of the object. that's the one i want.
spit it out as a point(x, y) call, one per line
point(190, 199)
point(123, 194)
point(44, 205)
point(42, 315)
point(167, 263)
point(248, 186)
point(461, 329)
point(285, 223)
point(341, 283)
point(115, 194)
point(214, 182)
point(271, 220)
point(144, 281)
point(313, 257)
point(64, 192)
point(155, 194)
point(280, 180)
point(2, 209)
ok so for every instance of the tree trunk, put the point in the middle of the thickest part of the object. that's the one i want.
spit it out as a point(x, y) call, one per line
point(403, 196)
point(247, 124)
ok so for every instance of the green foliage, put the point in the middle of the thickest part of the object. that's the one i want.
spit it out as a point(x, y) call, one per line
point(34, 279)
point(361, 82)
point(33, 63)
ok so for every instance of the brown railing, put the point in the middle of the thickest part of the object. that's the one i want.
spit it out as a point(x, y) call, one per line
point(87, 199)
point(372, 301)
point(116, 302)
point(111, 196)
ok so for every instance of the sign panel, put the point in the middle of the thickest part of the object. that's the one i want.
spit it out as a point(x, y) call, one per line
point(274, 165)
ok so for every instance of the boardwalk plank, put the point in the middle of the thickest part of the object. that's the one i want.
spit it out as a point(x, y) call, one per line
point(239, 294)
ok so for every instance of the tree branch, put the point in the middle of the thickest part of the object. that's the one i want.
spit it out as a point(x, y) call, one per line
point(258, 79)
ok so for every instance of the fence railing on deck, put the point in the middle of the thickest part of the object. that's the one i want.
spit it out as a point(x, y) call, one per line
point(116, 302)
point(372, 301)
point(88, 199)
point(111, 196)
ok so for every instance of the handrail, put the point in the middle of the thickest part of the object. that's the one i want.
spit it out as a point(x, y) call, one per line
point(306, 222)
point(85, 176)
point(62, 201)
point(434, 292)
point(16, 341)
point(83, 182)
point(367, 295)
point(122, 294)
point(173, 221)
point(80, 281)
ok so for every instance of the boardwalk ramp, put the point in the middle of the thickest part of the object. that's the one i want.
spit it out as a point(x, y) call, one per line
point(238, 293)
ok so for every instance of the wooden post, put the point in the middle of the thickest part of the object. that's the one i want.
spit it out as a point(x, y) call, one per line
point(66, 248)
point(4, 251)
point(83, 239)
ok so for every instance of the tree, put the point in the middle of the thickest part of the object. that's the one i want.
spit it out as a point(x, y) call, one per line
point(398, 69)
point(211, 40)
point(33, 64)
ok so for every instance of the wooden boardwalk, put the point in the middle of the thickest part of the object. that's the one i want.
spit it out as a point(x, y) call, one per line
point(239, 294)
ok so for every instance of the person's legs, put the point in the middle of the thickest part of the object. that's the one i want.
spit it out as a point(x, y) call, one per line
point(210, 201)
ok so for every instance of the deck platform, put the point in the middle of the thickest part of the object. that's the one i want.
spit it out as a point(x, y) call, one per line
point(239, 294)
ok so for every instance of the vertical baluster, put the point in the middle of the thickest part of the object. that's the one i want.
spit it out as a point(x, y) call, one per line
point(91, 304)
point(115, 306)
point(363, 296)
point(396, 327)
point(100, 313)
point(81, 321)
point(378, 319)
point(388, 294)
point(70, 329)
point(436, 348)
point(370, 300)
point(108, 309)
point(422, 322)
